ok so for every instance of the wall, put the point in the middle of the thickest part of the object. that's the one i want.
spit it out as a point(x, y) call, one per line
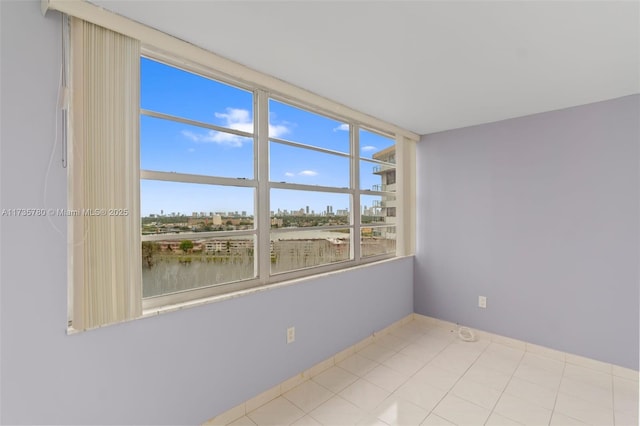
point(177, 368)
point(539, 214)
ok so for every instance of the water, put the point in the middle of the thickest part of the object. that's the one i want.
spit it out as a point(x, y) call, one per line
point(173, 271)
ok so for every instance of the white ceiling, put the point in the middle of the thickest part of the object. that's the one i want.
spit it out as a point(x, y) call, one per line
point(426, 66)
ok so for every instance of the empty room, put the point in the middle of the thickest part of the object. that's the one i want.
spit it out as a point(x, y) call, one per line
point(319, 213)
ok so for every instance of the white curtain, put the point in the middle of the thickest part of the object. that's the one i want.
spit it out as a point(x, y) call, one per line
point(104, 175)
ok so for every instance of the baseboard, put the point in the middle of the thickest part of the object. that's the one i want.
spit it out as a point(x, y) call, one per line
point(276, 391)
point(567, 357)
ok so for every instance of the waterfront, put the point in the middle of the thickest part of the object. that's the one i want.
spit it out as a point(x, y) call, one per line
point(167, 269)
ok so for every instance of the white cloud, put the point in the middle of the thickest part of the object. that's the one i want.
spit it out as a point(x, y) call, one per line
point(236, 119)
point(308, 173)
point(368, 148)
point(277, 130)
point(289, 174)
point(193, 136)
point(343, 127)
point(214, 136)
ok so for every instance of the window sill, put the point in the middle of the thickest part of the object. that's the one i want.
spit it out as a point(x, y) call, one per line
point(151, 312)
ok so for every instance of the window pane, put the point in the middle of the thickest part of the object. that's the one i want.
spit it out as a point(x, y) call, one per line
point(377, 177)
point(305, 166)
point(377, 240)
point(188, 262)
point(170, 146)
point(374, 209)
point(170, 90)
point(190, 203)
point(295, 250)
point(373, 145)
point(297, 209)
point(297, 125)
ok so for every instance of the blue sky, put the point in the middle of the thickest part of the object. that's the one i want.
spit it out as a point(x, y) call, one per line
point(176, 147)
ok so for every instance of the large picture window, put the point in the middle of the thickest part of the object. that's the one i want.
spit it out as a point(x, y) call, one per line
point(200, 145)
point(215, 178)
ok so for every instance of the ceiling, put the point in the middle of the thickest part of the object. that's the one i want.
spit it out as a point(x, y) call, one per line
point(426, 66)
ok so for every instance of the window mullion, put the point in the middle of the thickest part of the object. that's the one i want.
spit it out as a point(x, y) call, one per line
point(263, 215)
point(355, 185)
point(405, 220)
point(170, 117)
point(312, 188)
point(191, 178)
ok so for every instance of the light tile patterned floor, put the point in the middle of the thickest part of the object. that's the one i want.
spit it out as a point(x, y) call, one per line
point(421, 374)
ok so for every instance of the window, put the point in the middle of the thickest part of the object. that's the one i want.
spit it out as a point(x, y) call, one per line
point(205, 187)
point(378, 172)
point(309, 179)
point(198, 181)
point(213, 183)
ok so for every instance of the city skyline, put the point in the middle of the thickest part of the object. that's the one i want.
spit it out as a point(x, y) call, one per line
point(170, 146)
point(302, 211)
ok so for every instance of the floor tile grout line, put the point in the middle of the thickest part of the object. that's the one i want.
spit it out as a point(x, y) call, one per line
point(359, 377)
point(309, 380)
point(555, 401)
point(505, 388)
point(446, 393)
point(341, 397)
point(411, 376)
point(455, 383)
point(613, 398)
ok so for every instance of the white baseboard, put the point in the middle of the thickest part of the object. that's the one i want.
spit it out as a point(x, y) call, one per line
point(276, 391)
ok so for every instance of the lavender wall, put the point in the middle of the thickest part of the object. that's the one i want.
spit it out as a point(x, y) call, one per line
point(540, 214)
point(177, 368)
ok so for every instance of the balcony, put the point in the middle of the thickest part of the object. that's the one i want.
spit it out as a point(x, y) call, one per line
point(383, 168)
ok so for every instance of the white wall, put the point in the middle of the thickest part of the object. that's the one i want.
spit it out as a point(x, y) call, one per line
point(540, 214)
point(177, 368)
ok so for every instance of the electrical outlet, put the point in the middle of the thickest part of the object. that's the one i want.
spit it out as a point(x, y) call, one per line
point(291, 335)
point(482, 301)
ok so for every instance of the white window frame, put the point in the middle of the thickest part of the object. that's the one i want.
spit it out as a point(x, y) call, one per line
point(263, 186)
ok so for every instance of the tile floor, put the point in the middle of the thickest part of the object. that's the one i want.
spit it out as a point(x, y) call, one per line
point(422, 374)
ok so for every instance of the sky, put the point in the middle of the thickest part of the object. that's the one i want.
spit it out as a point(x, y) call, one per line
point(171, 146)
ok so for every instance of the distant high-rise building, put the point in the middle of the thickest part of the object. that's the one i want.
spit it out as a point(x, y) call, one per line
point(386, 206)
